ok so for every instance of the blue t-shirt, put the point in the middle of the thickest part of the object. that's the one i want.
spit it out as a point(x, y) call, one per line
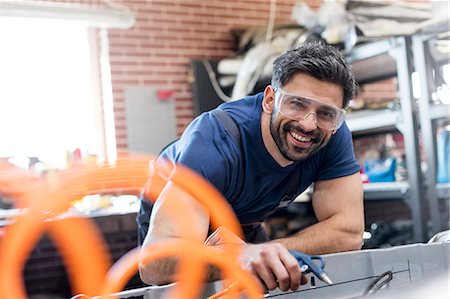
point(207, 148)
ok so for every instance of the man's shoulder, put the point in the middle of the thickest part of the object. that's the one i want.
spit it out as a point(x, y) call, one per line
point(342, 135)
point(204, 134)
point(244, 109)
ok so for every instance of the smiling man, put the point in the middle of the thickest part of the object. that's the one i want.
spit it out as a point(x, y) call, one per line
point(291, 135)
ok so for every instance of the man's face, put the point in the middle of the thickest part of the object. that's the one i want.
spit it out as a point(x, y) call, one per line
point(299, 138)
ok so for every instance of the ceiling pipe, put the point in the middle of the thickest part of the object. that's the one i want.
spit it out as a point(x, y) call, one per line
point(100, 17)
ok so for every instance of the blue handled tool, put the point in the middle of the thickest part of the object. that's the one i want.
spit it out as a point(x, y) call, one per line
point(307, 265)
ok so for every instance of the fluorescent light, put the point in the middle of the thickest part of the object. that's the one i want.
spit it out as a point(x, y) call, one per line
point(104, 17)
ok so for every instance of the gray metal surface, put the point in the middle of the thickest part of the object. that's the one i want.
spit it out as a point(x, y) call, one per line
point(353, 272)
point(412, 266)
point(150, 122)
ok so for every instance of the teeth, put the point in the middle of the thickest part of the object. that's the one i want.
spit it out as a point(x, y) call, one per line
point(300, 138)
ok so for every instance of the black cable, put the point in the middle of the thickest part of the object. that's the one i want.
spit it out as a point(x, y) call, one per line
point(382, 280)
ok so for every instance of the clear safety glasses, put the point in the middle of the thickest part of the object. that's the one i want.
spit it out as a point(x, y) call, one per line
point(298, 108)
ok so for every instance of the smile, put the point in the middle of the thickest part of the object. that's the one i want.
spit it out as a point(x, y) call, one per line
point(299, 138)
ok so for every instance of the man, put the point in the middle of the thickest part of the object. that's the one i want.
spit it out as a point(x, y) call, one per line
point(295, 129)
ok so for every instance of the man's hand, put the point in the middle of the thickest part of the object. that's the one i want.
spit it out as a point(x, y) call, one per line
point(272, 264)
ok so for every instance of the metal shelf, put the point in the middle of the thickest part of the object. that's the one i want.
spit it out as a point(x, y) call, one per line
point(371, 61)
point(443, 190)
point(438, 111)
point(398, 190)
point(373, 121)
point(401, 56)
point(379, 121)
point(382, 191)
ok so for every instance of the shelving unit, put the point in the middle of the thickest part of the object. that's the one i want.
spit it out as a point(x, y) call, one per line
point(385, 120)
point(391, 190)
point(421, 47)
point(394, 57)
point(369, 121)
point(399, 190)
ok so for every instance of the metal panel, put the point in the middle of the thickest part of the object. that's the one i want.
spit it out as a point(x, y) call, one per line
point(412, 266)
point(150, 122)
point(352, 272)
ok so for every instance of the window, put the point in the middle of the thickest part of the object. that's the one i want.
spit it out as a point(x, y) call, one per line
point(48, 107)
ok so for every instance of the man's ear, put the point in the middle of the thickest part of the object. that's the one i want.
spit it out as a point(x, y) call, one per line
point(269, 100)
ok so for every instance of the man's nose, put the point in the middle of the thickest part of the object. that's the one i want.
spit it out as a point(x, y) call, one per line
point(309, 123)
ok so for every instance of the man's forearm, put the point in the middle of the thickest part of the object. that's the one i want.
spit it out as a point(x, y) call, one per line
point(323, 238)
point(163, 271)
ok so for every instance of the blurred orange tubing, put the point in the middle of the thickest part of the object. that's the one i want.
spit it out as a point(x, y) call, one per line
point(81, 245)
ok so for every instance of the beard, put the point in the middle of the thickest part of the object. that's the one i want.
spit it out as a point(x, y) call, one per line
point(289, 151)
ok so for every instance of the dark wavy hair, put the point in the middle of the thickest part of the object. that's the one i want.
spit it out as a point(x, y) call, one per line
point(319, 60)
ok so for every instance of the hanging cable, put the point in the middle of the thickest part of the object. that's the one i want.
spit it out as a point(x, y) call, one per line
point(270, 23)
point(214, 82)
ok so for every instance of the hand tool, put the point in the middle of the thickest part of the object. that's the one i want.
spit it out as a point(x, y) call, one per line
point(308, 264)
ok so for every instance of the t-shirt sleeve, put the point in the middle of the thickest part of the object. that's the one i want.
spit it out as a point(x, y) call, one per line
point(209, 150)
point(338, 158)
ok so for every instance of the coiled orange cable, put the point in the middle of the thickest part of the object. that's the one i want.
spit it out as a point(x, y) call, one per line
point(83, 249)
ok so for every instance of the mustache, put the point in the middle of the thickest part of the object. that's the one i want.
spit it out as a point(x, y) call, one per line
point(312, 134)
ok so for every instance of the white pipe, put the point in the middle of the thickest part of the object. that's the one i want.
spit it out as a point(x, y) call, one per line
point(103, 17)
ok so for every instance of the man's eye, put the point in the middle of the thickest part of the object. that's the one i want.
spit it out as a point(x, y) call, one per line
point(327, 114)
point(297, 103)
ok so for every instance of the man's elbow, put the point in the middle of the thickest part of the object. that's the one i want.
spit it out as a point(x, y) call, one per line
point(355, 242)
point(354, 239)
point(150, 274)
point(147, 275)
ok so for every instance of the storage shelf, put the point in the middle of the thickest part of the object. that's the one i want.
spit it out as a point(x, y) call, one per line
point(379, 121)
point(398, 190)
point(443, 190)
point(373, 121)
point(381, 191)
point(401, 56)
point(439, 111)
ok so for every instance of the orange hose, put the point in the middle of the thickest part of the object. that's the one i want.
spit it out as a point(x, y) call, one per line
point(128, 175)
point(127, 264)
point(85, 252)
point(221, 213)
point(9, 186)
point(88, 249)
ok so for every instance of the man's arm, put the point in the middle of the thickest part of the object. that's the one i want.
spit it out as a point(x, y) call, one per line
point(165, 225)
point(272, 264)
point(338, 204)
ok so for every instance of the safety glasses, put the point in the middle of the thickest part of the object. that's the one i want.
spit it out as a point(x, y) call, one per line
point(298, 108)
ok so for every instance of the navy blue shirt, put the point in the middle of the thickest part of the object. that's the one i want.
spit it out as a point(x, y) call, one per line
point(207, 148)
